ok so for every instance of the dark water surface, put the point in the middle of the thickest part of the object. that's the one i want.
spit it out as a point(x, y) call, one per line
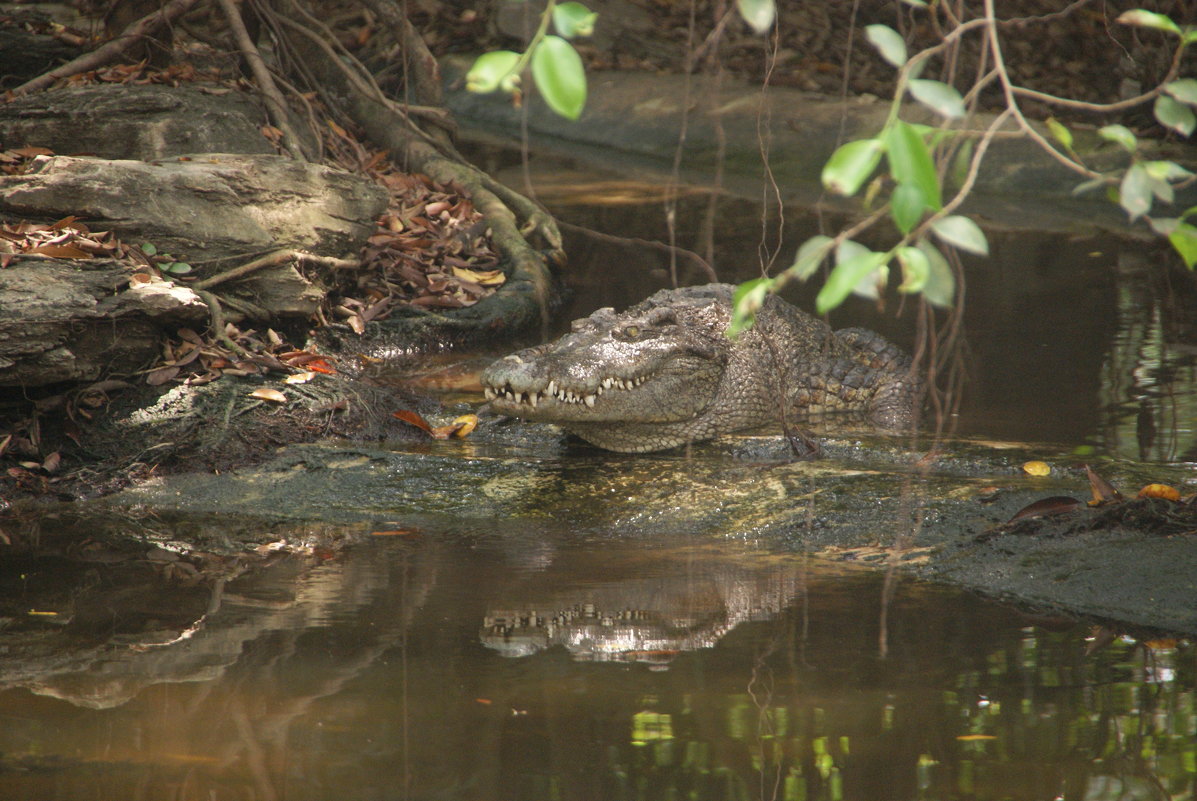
point(525, 665)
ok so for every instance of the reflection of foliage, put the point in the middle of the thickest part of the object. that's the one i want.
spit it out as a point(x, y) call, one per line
point(1037, 719)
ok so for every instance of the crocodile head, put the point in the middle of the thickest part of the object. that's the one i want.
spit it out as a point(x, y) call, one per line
point(638, 381)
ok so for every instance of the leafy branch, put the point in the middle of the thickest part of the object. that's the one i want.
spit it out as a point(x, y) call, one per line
point(913, 184)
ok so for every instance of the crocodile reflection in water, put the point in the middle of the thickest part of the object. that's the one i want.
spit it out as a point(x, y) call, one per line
point(644, 619)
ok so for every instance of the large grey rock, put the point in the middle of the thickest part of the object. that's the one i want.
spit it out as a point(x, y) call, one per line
point(141, 122)
point(80, 320)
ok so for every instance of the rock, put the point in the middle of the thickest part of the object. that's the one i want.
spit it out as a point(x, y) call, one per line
point(80, 320)
point(206, 208)
point(138, 122)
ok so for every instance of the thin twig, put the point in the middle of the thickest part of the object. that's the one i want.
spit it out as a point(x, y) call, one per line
point(650, 244)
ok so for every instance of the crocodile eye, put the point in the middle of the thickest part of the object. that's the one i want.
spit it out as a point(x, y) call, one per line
point(630, 331)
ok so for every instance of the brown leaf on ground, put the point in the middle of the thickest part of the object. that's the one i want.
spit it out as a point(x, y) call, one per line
point(1103, 491)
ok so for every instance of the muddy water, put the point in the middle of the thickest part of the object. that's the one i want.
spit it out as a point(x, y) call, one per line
point(530, 665)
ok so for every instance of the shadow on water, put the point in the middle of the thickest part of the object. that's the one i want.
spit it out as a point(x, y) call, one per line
point(441, 664)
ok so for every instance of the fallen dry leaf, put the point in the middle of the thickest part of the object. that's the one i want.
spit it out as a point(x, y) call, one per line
point(268, 394)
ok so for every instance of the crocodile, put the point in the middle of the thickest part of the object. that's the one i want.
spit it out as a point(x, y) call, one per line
point(664, 373)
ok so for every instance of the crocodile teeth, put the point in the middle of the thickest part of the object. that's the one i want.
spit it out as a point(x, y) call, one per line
point(552, 388)
point(533, 398)
point(589, 399)
point(488, 393)
point(608, 383)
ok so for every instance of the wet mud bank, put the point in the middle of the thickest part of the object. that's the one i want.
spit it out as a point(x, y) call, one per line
point(868, 501)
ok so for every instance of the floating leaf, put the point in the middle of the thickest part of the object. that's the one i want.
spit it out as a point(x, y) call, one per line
point(941, 98)
point(759, 14)
point(959, 231)
point(1055, 505)
point(149, 249)
point(1160, 491)
point(1148, 19)
point(560, 77)
point(1036, 468)
point(1173, 114)
point(300, 378)
point(889, 43)
point(268, 394)
point(850, 165)
point(413, 419)
point(573, 19)
point(490, 70)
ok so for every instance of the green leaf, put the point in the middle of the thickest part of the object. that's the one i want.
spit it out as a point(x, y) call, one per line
point(915, 3)
point(916, 268)
point(177, 268)
point(851, 165)
point(1163, 225)
point(810, 256)
point(1184, 90)
point(1134, 194)
point(149, 249)
point(573, 19)
point(1088, 186)
point(1189, 35)
point(910, 162)
point(490, 69)
point(854, 269)
point(962, 162)
point(906, 206)
point(1121, 135)
point(1166, 170)
point(889, 43)
point(959, 231)
point(1060, 132)
point(746, 301)
point(1184, 241)
point(1175, 115)
point(1149, 19)
point(938, 96)
point(759, 14)
point(941, 281)
point(560, 77)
